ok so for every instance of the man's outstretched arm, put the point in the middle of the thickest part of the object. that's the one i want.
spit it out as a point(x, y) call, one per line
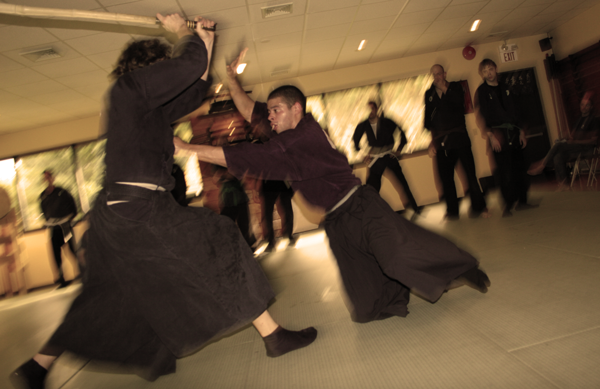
point(211, 154)
point(243, 103)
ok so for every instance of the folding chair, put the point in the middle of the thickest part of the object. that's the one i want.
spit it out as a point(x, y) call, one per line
point(591, 164)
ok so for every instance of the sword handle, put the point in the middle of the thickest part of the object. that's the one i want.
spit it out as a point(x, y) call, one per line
point(192, 24)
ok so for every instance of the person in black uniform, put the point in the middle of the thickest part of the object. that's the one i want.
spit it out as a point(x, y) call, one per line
point(380, 136)
point(450, 143)
point(59, 210)
point(162, 280)
point(271, 191)
point(497, 115)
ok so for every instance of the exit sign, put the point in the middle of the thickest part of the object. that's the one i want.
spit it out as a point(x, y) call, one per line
point(508, 53)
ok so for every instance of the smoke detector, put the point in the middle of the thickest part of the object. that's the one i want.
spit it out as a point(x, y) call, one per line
point(39, 55)
point(277, 10)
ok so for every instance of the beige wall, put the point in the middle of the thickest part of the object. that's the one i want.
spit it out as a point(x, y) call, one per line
point(577, 34)
point(49, 137)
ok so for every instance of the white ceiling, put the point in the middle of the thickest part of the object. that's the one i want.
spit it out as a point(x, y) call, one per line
point(320, 35)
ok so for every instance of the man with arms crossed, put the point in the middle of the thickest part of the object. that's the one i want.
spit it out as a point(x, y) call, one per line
point(450, 143)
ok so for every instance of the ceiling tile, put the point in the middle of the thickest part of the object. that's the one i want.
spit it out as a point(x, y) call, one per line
point(379, 10)
point(64, 95)
point(42, 87)
point(233, 35)
point(323, 47)
point(320, 6)
point(65, 68)
point(528, 3)
point(398, 34)
point(275, 42)
point(7, 64)
point(501, 5)
point(321, 34)
point(459, 2)
point(545, 18)
point(66, 52)
point(7, 96)
point(460, 11)
point(279, 26)
point(365, 26)
point(414, 6)
point(227, 19)
point(105, 60)
point(99, 43)
point(559, 6)
point(202, 8)
point(447, 27)
point(83, 79)
point(17, 37)
point(330, 18)
point(20, 77)
point(67, 33)
point(419, 17)
point(95, 92)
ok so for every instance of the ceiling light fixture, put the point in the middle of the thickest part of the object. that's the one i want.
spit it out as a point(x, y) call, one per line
point(240, 68)
point(475, 25)
point(362, 45)
point(218, 88)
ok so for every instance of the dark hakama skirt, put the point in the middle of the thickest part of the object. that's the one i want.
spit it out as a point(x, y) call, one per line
point(383, 257)
point(160, 289)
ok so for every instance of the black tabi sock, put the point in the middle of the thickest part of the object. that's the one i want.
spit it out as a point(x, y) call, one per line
point(282, 341)
point(29, 375)
point(476, 279)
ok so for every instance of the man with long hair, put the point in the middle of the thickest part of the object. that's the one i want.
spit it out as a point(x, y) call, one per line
point(162, 279)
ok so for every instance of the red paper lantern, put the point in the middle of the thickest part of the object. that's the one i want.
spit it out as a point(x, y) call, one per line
point(469, 53)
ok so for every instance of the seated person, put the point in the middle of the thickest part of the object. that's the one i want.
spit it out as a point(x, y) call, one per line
point(582, 139)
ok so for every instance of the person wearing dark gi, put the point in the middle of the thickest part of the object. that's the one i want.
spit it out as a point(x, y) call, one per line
point(450, 143)
point(380, 136)
point(233, 201)
point(581, 141)
point(271, 191)
point(382, 257)
point(59, 209)
point(179, 191)
point(497, 116)
point(162, 279)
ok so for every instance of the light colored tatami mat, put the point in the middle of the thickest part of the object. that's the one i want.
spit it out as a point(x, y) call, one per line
point(537, 327)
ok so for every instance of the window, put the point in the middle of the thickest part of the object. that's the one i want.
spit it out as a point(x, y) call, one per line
point(402, 101)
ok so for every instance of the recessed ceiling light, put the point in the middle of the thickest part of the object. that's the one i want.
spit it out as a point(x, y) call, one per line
point(362, 45)
point(475, 25)
point(218, 88)
point(240, 68)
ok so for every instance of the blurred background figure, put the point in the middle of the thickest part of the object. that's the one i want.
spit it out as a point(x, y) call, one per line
point(180, 189)
point(450, 142)
point(380, 136)
point(233, 202)
point(9, 248)
point(582, 139)
point(59, 210)
point(271, 191)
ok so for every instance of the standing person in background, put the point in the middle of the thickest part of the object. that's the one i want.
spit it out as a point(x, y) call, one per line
point(59, 210)
point(450, 143)
point(498, 117)
point(380, 136)
point(271, 191)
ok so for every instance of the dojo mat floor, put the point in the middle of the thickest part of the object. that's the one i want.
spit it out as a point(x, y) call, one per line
point(537, 327)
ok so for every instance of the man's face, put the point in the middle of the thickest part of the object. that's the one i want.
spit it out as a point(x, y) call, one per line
point(48, 178)
point(439, 76)
point(280, 115)
point(489, 73)
point(373, 114)
point(585, 107)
